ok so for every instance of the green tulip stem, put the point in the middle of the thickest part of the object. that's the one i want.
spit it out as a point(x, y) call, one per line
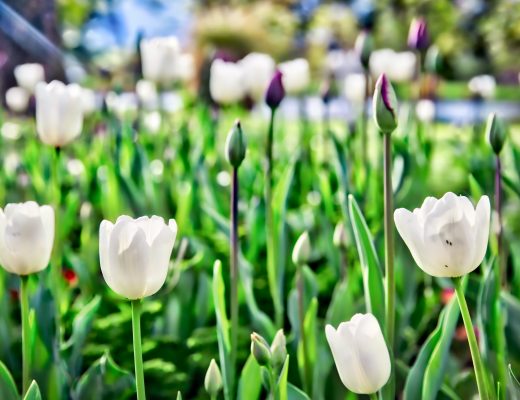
point(138, 351)
point(389, 240)
point(26, 334)
point(472, 340)
point(234, 277)
point(373, 396)
point(56, 254)
point(272, 273)
point(307, 381)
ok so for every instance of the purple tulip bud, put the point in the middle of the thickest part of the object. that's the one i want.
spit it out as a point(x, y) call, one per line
point(385, 105)
point(418, 35)
point(275, 92)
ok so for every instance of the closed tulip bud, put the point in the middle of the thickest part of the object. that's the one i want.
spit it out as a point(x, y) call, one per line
point(147, 94)
point(496, 132)
point(29, 75)
point(258, 71)
point(260, 349)
point(364, 47)
point(226, 82)
point(384, 105)
point(433, 60)
point(340, 238)
point(26, 237)
point(59, 112)
point(302, 250)
point(235, 145)
point(278, 349)
point(360, 353)
point(447, 237)
point(158, 58)
point(135, 253)
point(213, 379)
point(17, 99)
point(418, 35)
point(296, 75)
point(275, 91)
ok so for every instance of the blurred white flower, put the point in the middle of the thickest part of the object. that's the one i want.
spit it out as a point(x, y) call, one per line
point(184, 67)
point(123, 105)
point(156, 168)
point(11, 162)
point(296, 75)
point(302, 249)
point(152, 121)
point(398, 66)
point(482, 85)
point(147, 94)
point(29, 75)
point(360, 353)
point(447, 237)
point(158, 56)
point(224, 179)
point(11, 131)
point(226, 83)
point(88, 101)
point(75, 167)
point(135, 253)
point(26, 237)
point(425, 110)
point(59, 112)
point(17, 99)
point(355, 88)
point(258, 71)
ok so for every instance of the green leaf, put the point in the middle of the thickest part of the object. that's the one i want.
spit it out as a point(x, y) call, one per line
point(33, 393)
point(372, 275)
point(179, 395)
point(250, 383)
point(224, 342)
point(281, 388)
point(294, 393)
point(425, 376)
point(515, 385)
point(309, 325)
point(8, 389)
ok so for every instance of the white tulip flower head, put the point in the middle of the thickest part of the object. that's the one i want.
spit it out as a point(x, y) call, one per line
point(226, 82)
point(26, 237)
point(360, 353)
point(447, 237)
point(59, 112)
point(135, 253)
point(29, 75)
point(296, 75)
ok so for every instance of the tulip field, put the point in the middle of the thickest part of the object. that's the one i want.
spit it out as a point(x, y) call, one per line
point(185, 218)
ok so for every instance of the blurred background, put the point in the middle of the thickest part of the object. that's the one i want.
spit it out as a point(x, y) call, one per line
point(95, 42)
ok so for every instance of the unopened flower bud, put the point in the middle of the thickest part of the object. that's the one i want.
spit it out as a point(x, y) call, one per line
point(364, 46)
point(275, 92)
point(418, 35)
point(302, 250)
point(213, 379)
point(340, 238)
point(235, 145)
point(278, 349)
point(385, 105)
point(433, 60)
point(260, 349)
point(496, 132)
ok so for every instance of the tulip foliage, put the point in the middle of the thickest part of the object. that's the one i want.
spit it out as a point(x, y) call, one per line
point(209, 252)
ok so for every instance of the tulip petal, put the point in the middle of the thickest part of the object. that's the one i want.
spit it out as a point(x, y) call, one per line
point(412, 233)
point(481, 229)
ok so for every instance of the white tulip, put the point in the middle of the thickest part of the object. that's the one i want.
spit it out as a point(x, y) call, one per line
point(88, 101)
point(398, 66)
point(158, 56)
point(447, 237)
point(360, 353)
point(123, 105)
point(483, 85)
point(355, 88)
point(17, 99)
point(258, 72)
point(29, 75)
point(135, 253)
point(226, 83)
point(147, 94)
point(425, 110)
point(59, 112)
point(26, 237)
point(296, 75)
point(152, 121)
point(184, 67)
